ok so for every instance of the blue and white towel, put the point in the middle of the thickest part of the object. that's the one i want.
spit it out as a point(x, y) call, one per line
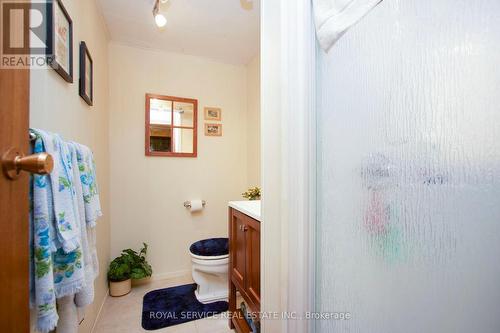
point(89, 209)
point(63, 191)
point(88, 176)
point(86, 166)
point(58, 273)
point(42, 279)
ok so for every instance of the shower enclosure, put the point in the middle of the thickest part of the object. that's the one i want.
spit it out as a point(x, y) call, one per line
point(408, 168)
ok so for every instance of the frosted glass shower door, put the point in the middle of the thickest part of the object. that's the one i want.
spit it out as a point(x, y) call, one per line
point(408, 233)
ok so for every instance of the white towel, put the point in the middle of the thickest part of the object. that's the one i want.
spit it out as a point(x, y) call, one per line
point(334, 17)
point(68, 315)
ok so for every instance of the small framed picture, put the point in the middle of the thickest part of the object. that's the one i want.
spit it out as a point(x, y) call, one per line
point(213, 129)
point(60, 40)
point(214, 114)
point(86, 75)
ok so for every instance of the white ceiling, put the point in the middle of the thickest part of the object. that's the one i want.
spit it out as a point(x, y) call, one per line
point(223, 30)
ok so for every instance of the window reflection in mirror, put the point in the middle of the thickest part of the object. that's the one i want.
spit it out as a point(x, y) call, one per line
point(171, 126)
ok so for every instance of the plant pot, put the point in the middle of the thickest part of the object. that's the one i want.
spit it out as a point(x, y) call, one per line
point(120, 288)
point(140, 282)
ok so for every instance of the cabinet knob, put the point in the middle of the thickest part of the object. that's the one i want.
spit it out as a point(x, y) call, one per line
point(244, 228)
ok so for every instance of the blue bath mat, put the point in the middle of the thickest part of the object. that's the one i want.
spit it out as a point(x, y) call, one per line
point(173, 306)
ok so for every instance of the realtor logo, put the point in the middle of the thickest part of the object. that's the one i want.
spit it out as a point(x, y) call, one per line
point(24, 42)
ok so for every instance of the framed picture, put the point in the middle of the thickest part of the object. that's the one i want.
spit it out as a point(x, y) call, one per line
point(214, 114)
point(60, 40)
point(86, 75)
point(213, 129)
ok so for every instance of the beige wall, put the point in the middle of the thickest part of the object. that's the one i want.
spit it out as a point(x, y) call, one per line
point(148, 192)
point(56, 106)
point(253, 122)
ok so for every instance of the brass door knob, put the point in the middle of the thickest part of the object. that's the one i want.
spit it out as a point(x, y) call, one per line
point(14, 161)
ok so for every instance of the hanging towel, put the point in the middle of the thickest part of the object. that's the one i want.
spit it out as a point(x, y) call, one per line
point(92, 204)
point(63, 191)
point(42, 278)
point(334, 17)
point(68, 315)
point(86, 165)
point(85, 296)
point(56, 273)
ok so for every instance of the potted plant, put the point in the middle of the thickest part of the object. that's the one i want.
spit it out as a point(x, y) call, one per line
point(129, 266)
point(253, 193)
point(120, 283)
point(140, 270)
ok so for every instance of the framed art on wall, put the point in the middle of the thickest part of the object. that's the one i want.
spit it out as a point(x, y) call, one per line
point(86, 75)
point(60, 40)
point(213, 129)
point(214, 114)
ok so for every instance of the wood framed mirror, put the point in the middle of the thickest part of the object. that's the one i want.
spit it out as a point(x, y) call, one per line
point(171, 126)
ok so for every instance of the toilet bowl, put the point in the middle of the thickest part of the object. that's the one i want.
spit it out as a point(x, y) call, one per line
point(210, 262)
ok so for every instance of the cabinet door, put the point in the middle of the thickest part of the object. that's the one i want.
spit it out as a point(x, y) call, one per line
point(237, 248)
point(252, 230)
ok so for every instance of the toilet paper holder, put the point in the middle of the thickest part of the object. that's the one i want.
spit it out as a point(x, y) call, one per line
point(187, 204)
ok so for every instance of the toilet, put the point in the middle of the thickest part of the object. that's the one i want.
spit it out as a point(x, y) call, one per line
point(210, 261)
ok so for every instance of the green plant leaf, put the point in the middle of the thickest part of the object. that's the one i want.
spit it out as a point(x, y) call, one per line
point(130, 264)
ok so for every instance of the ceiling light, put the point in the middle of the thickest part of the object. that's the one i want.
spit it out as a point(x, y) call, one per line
point(160, 18)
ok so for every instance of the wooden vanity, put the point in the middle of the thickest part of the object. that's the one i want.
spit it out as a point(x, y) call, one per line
point(244, 260)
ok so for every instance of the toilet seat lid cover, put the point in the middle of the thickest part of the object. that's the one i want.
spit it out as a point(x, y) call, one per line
point(212, 247)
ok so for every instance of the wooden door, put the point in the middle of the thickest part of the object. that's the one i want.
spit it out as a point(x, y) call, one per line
point(14, 200)
point(14, 204)
point(237, 248)
point(252, 230)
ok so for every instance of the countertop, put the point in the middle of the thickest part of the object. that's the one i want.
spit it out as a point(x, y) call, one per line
point(250, 208)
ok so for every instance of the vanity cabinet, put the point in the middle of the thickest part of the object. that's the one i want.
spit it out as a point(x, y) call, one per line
point(244, 266)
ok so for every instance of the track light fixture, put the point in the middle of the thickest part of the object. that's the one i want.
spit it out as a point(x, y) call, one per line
point(160, 18)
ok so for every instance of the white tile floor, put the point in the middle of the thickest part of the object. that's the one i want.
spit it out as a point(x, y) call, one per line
point(123, 314)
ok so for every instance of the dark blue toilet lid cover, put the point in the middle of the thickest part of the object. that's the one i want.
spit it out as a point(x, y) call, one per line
point(212, 247)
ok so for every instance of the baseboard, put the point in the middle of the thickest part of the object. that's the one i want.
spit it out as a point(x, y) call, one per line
point(171, 275)
point(100, 310)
